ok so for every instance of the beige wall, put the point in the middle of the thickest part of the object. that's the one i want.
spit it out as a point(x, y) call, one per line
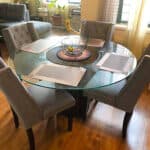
point(147, 39)
point(90, 9)
point(120, 35)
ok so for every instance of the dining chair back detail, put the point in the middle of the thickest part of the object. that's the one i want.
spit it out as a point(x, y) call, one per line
point(97, 30)
point(34, 104)
point(18, 35)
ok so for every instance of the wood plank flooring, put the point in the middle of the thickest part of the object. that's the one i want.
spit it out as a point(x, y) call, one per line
point(101, 131)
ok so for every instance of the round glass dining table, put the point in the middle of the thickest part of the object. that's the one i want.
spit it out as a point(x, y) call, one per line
point(93, 78)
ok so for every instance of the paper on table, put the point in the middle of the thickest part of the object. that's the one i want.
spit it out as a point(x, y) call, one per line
point(37, 46)
point(95, 42)
point(115, 63)
point(66, 75)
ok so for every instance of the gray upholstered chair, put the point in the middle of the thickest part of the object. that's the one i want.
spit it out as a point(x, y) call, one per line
point(96, 29)
point(12, 14)
point(34, 104)
point(124, 94)
point(16, 36)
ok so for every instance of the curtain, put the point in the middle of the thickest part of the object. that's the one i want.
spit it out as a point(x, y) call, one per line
point(137, 25)
point(110, 11)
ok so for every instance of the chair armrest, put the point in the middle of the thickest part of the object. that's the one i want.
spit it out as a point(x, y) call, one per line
point(27, 15)
point(10, 43)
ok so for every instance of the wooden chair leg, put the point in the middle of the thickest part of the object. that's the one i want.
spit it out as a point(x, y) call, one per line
point(0, 52)
point(125, 123)
point(70, 121)
point(31, 138)
point(16, 120)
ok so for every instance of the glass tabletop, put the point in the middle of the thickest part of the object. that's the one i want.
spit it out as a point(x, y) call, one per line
point(94, 77)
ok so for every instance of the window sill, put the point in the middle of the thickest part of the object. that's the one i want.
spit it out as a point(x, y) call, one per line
point(122, 27)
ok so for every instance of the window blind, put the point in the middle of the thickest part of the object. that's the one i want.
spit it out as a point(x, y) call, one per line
point(110, 11)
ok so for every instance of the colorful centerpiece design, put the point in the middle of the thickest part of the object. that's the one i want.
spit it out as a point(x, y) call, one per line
point(72, 46)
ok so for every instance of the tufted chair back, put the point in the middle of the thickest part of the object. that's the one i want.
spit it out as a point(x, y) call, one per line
point(96, 29)
point(18, 35)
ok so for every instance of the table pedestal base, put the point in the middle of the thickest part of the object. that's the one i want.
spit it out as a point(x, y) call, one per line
point(83, 105)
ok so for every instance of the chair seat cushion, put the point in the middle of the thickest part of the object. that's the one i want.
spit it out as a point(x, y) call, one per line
point(106, 94)
point(51, 101)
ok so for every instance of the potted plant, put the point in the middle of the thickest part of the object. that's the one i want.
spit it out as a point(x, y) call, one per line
point(58, 11)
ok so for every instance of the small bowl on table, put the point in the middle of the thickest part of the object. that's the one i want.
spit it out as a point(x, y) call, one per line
point(73, 46)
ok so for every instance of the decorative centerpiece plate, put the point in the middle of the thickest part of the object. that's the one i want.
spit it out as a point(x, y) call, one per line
point(73, 46)
point(73, 49)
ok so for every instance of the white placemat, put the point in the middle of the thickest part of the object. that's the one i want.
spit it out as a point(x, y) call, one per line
point(115, 63)
point(37, 46)
point(66, 75)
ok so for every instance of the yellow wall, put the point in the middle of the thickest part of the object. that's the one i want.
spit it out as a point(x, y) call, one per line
point(120, 35)
point(91, 9)
point(147, 39)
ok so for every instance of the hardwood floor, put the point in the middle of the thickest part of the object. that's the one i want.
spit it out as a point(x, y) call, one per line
point(101, 131)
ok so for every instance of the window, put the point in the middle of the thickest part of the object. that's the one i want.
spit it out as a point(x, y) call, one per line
point(70, 1)
point(124, 11)
point(47, 1)
point(74, 1)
